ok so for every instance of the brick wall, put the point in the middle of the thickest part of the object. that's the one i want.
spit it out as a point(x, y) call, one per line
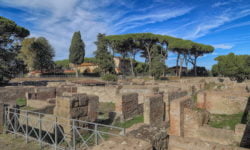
point(9, 95)
point(128, 106)
point(154, 110)
point(177, 115)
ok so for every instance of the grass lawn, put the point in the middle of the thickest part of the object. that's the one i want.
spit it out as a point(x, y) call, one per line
point(225, 121)
point(21, 102)
point(129, 123)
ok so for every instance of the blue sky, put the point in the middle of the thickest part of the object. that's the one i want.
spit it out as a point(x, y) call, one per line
point(225, 24)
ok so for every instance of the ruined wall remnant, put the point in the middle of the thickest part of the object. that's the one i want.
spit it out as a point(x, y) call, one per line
point(176, 95)
point(158, 137)
point(222, 102)
point(193, 120)
point(177, 115)
point(105, 93)
point(142, 91)
point(45, 96)
point(77, 106)
point(9, 95)
point(128, 106)
point(154, 110)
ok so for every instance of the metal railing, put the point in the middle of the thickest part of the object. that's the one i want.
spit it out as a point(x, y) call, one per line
point(57, 132)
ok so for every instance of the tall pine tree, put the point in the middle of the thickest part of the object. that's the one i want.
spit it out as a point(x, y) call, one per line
point(103, 57)
point(10, 37)
point(76, 50)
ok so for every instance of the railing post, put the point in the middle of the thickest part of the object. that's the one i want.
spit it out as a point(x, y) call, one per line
point(123, 131)
point(26, 126)
point(74, 135)
point(5, 120)
point(15, 122)
point(40, 130)
point(96, 135)
point(56, 134)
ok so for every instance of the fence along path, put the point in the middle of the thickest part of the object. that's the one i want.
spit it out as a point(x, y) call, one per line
point(57, 132)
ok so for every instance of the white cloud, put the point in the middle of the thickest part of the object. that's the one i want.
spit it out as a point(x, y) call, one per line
point(151, 17)
point(208, 23)
point(223, 46)
point(57, 20)
point(247, 23)
point(219, 4)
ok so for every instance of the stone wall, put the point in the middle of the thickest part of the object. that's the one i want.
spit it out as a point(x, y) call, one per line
point(154, 110)
point(142, 91)
point(177, 115)
point(77, 106)
point(176, 95)
point(9, 95)
point(221, 102)
point(181, 143)
point(158, 137)
point(195, 126)
point(193, 120)
point(45, 96)
point(105, 93)
point(128, 106)
point(111, 93)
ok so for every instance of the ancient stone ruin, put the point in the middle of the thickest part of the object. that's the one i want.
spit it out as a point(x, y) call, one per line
point(176, 115)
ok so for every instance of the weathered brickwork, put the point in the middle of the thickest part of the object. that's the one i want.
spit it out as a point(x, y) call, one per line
point(128, 106)
point(154, 110)
point(77, 106)
point(222, 102)
point(176, 94)
point(177, 115)
point(9, 95)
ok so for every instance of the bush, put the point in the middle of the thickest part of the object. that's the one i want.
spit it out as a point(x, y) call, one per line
point(109, 77)
point(131, 122)
point(21, 102)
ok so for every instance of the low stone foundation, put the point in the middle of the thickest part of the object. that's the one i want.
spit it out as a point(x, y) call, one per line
point(181, 143)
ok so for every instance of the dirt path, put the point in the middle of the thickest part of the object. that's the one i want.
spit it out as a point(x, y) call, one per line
point(8, 142)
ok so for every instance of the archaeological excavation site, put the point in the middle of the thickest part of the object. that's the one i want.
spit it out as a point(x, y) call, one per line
point(187, 114)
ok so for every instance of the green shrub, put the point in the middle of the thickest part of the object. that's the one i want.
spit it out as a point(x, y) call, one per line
point(129, 123)
point(109, 77)
point(21, 102)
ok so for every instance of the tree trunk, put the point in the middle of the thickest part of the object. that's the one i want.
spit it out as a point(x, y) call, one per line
point(177, 63)
point(195, 67)
point(123, 65)
point(132, 67)
point(180, 69)
point(76, 70)
point(149, 58)
point(186, 62)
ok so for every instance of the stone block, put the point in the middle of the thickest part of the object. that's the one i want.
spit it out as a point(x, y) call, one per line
point(79, 112)
point(83, 100)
